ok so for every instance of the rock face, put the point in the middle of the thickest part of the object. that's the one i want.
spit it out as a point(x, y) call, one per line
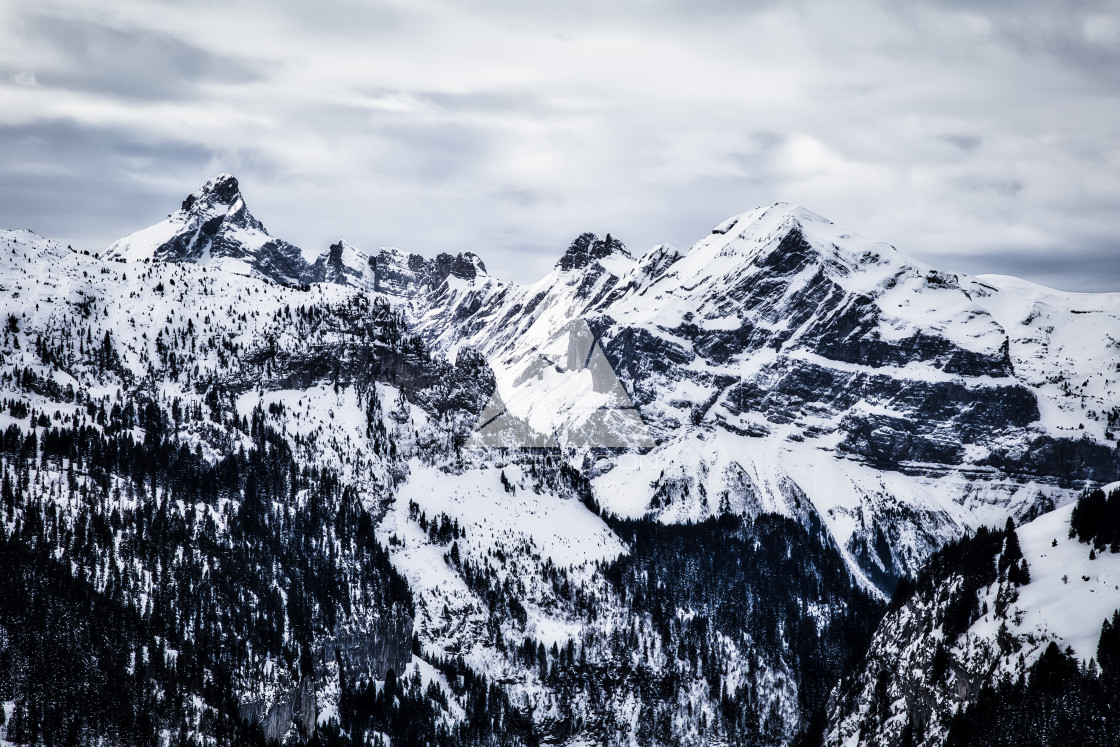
point(587, 248)
point(256, 352)
point(345, 264)
point(406, 280)
point(276, 718)
point(392, 272)
point(373, 648)
point(214, 224)
point(778, 366)
point(404, 275)
point(365, 650)
point(933, 402)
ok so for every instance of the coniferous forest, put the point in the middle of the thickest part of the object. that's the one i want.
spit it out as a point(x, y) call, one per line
point(971, 690)
point(156, 603)
point(178, 580)
point(1060, 701)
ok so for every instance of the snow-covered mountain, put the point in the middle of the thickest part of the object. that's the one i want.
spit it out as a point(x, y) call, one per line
point(214, 226)
point(749, 441)
point(782, 359)
point(303, 445)
point(346, 264)
point(783, 364)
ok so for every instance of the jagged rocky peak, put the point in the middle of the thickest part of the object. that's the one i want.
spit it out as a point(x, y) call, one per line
point(465, 266)
point(344, 264)
point(219, 202)
point(214, 224)
point(221, 190)
point(785, 239)
point(405, 274)
point(588, 248)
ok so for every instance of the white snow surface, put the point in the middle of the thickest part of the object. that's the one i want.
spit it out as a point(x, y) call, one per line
point(1064, 347)
point(1069, 596)
point(562, 528)
point(527, 527)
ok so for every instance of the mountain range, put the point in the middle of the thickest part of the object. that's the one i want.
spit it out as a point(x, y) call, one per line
point(671, 498)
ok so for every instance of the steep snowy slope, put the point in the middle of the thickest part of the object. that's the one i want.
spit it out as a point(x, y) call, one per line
point(779, 328)
point(617, 633)
point(930, 658)
point(1064, 347)
point(345, 264)
point(781, 401)
point(214, 227)
point(552, 372)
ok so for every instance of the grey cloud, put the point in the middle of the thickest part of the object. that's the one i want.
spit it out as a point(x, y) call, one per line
point(484, 101)
point(767, 140)
point(434, 151)
point(134, 64)
point(1091, 268)
point(371, 21)
point(519, 197)
point(1062, 31)
point(509, 127)
point(88, 186)
point(1005, 187)
point(967, 143)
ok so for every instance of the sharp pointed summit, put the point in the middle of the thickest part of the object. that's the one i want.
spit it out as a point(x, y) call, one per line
point(215, 225)
point(222, 189)
point(587, 248)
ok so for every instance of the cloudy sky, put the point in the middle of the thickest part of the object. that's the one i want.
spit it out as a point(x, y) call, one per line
point(978, 140)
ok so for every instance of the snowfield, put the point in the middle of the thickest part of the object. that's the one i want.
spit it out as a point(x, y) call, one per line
point(1069, 596)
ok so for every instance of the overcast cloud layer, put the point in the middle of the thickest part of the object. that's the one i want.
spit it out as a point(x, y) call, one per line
point(977, 140)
